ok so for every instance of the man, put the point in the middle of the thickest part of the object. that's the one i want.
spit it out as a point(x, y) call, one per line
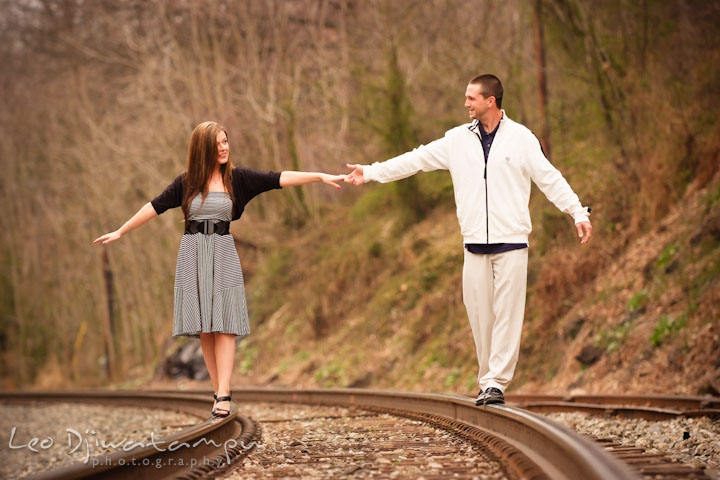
point(491, 162)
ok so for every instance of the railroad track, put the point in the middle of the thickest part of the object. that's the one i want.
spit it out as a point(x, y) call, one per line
point(527, 445)
point(648, 407)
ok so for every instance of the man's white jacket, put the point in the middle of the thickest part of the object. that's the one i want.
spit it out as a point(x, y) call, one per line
point(492, 198)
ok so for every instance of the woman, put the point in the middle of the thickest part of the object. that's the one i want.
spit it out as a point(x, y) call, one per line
point(209, 288)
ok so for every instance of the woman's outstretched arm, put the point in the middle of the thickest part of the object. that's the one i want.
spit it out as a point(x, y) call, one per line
point(292, 179)
point(146, 213)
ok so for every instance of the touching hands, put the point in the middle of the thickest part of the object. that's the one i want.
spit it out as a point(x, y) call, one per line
point(331, 179)
point(356, 176)
point(584, 230)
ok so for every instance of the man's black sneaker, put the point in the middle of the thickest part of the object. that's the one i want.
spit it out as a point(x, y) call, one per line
point(490, 396)
point(480, 399)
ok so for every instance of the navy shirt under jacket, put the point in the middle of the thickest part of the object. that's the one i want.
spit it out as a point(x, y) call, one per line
point(487, 248)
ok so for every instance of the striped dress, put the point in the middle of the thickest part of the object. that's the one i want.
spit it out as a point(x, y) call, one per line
point(209, 286)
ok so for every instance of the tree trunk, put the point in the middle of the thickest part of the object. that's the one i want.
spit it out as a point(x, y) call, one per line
point(541, 78)
point(109, 323)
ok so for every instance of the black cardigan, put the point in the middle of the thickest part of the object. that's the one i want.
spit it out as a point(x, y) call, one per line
point(247, 183)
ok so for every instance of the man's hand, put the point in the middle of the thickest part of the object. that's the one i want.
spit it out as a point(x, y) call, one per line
point(356, 176)
point(584, 230)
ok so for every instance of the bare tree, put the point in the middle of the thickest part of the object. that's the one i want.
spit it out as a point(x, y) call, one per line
point(541, 76)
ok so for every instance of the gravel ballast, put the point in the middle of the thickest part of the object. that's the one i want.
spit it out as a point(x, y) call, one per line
point(692, 441)
point(312, 442)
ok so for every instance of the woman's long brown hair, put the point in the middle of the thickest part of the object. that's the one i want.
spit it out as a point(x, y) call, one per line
point(201, 161)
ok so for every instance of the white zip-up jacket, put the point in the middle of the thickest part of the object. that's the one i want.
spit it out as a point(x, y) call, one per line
point(492, 199)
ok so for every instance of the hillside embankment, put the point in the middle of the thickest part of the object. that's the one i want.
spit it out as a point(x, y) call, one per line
point(359, 287)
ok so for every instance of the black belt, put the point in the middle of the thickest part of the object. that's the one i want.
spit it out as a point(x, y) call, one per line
point(207, 227)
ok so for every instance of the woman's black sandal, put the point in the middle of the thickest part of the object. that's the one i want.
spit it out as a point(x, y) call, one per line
point(221, 412)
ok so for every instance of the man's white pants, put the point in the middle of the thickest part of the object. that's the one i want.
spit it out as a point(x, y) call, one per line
point(494, 288)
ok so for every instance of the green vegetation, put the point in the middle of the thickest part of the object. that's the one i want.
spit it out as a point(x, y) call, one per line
point(708, 277)
point(613, 339)
point(554, 226)
point(668, 255)
point(370, 204)
point(471, 382)
point(452, 377)
point(666, 326)
point(713, 199)
point(638, 301)
point(247, 355)
point(331, 375)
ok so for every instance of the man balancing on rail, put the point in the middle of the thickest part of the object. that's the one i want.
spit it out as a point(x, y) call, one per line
point(491, 161)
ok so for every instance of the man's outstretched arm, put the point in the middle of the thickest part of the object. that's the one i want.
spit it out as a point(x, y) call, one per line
point(425, 158)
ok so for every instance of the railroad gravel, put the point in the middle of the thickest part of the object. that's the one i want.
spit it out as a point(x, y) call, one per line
point(309, 442)
point(692, 441)
point(73, 432)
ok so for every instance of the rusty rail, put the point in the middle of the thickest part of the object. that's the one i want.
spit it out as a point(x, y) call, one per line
point(649, 407)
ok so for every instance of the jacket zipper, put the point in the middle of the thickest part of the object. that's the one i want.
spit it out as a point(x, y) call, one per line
point(487, 211)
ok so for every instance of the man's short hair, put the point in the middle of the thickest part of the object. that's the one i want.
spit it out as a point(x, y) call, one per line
point(490, 86)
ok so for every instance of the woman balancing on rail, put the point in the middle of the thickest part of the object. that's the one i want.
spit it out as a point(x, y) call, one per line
point(209, 287)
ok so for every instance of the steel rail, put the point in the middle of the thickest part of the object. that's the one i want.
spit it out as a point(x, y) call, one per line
point(683, 403)
point(647, 413)
point(648, 407)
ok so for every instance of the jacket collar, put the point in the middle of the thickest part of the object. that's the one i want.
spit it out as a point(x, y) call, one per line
point(474, 126)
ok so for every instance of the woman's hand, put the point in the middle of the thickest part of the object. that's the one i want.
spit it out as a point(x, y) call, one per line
point(331, 179)
point(109, 237)
point(146, 213)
